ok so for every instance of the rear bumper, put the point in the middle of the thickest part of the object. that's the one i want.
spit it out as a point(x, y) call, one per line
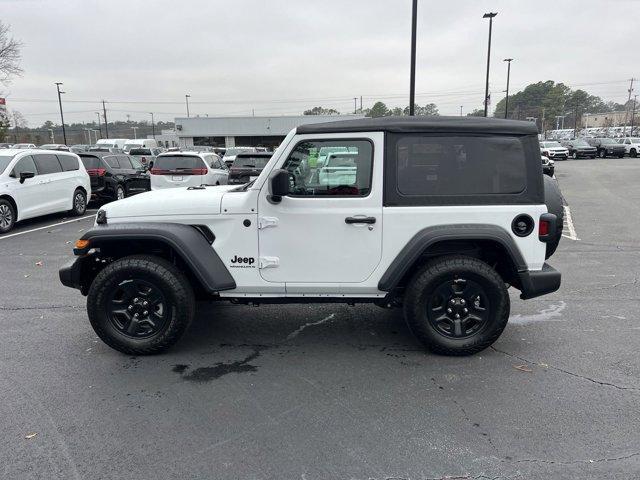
point(538, 283)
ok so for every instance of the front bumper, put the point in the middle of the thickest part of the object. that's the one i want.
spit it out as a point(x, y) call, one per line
point(538, 283)
point(71, 274)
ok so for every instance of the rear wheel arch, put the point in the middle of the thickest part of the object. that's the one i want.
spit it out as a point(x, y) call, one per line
point(488, 243)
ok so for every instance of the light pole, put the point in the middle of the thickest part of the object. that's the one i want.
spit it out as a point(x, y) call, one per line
point(153, 125)
point(135, 133)
point(64, 132)
point(52, 137)
point(412, 77)
point(490, 16)
point(186, 99)
point(355, 105)
point(506, 102)
point(460, 110)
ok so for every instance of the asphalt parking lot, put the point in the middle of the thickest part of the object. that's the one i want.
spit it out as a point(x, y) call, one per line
point(331, 391)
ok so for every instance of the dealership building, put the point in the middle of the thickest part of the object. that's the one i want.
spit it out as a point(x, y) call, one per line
point(238, 131)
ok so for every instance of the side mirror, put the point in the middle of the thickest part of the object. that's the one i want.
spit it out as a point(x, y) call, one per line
point(150, 165)
point(279, 185)
point(25, 175)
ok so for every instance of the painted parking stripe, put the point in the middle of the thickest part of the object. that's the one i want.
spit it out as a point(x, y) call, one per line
point(47, 226)
point(568, 224)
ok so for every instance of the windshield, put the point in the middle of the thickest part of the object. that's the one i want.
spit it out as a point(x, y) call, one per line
point(552, 144)
point(580, 143)
point(607, 141)
point(250, 161)
point(4, 161)
point(176, 162)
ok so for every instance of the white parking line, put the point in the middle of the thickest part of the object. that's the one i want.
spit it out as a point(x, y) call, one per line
point(47, 226)
point(568, 224)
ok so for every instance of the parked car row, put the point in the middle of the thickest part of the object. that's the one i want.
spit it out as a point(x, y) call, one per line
point(590, 148)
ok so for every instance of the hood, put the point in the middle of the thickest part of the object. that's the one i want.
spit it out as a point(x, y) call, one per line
point(554, 149)
point(170, 201)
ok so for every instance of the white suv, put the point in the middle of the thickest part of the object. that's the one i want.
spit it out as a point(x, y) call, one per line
point(631, 146)
point(187, 169)
point(436, 215)
point(38, 182)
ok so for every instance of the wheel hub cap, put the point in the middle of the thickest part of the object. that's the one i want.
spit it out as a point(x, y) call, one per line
point(137, 308)
point(5, 216)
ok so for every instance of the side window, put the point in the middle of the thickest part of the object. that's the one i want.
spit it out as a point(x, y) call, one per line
point(330, 167)
point(112, 162)
point(68, 162)
point(25, 164)
point(47, 163)
point(460, 165)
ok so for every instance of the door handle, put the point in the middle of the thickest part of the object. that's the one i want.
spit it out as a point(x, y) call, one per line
point(369, 220)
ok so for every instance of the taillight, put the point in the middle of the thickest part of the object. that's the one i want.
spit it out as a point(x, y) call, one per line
point(97, 172)
point(158, 171)
point(543, 228)
point(198, 171)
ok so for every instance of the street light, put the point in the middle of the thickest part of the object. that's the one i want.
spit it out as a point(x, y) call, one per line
point(186, 99)
point(64, 133)
point(506, 102)
point(99, 124)
point(153, 125)
point(490, 16)
point(460, 110)
point(412, 77)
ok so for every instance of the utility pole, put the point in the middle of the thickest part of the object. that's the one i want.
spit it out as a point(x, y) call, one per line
point(412, 78)
point(153, 125)
point(186, 99)
point(506, 101)
point(633, 114)
point(626, 111)
point(490, 16)
point(135, 133)
point(99, 124)
point(106, 122)
point(64, 133)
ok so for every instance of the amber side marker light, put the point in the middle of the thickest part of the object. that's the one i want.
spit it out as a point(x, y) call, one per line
point(81, 244)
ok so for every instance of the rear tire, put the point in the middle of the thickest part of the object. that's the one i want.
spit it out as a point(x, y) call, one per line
point(460, 286)
point(574, 155)
point(602, 154)
point(633, 153)
point(7, 215)
point(140, 305)
point(555, 204)
point(79, 203)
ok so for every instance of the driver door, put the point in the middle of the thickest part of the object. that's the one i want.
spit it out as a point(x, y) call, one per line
point(328, 230)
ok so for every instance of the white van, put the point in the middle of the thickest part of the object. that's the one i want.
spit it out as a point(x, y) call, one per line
point(39, 182)
point(139, 143)
point(112, 142)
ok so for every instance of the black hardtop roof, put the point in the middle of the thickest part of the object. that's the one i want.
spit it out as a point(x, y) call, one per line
point(99, 154)
point(434, 124)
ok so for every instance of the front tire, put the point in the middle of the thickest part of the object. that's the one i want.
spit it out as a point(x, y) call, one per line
point(456, 305)
point(79, 203)
point(140, 305)
point(602, 154)
point(120, 192)
point(574, 155)
point(633, 153)
point(7, 215)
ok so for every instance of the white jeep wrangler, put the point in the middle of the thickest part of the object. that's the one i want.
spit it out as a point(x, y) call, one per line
point(437, 215)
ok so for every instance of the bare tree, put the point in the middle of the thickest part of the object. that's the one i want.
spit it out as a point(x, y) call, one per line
point(9, 55)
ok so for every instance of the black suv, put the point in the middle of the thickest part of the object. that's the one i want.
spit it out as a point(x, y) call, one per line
point(607, 147)
point(114, 177)
point(579, 148)
point(248, 165)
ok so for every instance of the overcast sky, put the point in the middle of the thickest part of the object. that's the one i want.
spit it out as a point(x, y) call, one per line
point(280, 57)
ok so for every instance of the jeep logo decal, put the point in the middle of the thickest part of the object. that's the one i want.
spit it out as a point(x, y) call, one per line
point(243, 262)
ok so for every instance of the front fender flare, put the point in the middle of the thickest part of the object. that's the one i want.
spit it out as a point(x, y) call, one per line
point(185, 240)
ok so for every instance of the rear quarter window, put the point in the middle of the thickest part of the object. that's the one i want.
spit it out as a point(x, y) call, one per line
point(90, 162)
point(112, 162)
point(461, 169)
point(68, 162)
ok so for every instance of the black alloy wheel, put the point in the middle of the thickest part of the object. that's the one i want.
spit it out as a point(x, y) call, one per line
point(458, 308)
point(137, 308)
